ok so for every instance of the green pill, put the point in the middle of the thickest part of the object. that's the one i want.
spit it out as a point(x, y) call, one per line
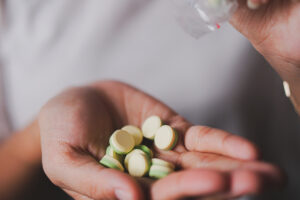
point(110, 162)
point(157, 171)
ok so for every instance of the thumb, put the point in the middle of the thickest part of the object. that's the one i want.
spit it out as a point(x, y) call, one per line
point(253, 15)
point(84, 175)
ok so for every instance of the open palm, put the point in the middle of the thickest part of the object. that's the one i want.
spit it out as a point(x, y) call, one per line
point(273, 29)
point(75, 128)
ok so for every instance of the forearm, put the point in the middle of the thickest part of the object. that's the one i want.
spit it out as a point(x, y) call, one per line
point(20, 156)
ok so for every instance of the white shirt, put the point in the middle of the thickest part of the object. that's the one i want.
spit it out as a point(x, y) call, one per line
point(219, 80)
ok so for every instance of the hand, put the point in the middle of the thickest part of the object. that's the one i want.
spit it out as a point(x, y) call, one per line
point(273, 28)
point(76, 125)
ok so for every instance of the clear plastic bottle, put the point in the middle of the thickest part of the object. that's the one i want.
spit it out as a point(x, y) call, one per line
point(198, 17)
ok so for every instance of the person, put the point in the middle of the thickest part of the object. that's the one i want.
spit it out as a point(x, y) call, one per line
point(218, 81)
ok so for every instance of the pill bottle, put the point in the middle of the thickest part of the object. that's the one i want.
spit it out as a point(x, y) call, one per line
point(198, 17)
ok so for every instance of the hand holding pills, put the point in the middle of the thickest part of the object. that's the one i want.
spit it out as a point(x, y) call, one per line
point(138, 161)
point(77, 126)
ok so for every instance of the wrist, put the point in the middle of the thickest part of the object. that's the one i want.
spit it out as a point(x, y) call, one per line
point(29, 150)
point(289, 71)
point(21, 157)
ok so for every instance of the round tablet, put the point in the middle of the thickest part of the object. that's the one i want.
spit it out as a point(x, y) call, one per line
point(138, 165)
point(126, 160)
point(112, 153)
point(150, 126)
point(160, 162)
point(111, 162)
point(145, 149)
point(122, 142)
point(165, 138)
point(135, 132)
point(157, 171)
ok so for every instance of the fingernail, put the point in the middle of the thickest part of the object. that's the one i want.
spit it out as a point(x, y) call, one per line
point(120, 194)
point(253, 5)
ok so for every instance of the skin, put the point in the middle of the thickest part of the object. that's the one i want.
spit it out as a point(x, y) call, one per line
point(273, 29)
point(76, 126)
point(20, 158)
point(213, 162)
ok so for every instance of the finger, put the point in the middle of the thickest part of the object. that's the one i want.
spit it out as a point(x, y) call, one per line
point(205, 139)
point(247, 182)
point(262, 176)
point(216, 162)
point(146, 183)
point(273, 176)
point(189, 183)
point(190, 160)
point(76, 196)
point(255, 4)
point(82, 174)
point(244, 182)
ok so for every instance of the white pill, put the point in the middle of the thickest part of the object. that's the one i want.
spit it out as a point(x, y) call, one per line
point(287, 89)
point(121, 142)
point(165, 138)
point(138, 164)
point(135, 132)
point(160, 162)
point(150, 126)
point(111, 162)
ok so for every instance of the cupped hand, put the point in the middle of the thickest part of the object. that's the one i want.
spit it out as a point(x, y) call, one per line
point(76, 125)
point(273, 28)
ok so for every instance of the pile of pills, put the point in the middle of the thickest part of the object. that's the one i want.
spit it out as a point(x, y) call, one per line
point(126, 149)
